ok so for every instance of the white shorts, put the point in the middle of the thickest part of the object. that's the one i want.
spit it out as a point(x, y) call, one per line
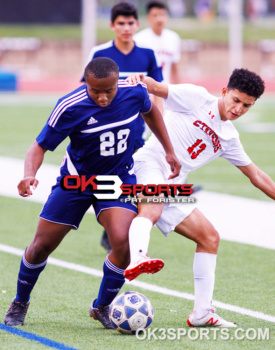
point(151, 172)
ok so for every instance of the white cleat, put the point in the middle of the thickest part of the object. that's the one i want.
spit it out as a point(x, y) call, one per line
point(211, 319)
point(143, 265)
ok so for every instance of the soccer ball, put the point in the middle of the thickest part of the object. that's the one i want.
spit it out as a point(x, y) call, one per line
point(130, 311)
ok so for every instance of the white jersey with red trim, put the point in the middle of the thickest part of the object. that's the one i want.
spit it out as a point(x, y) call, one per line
point(196, 131)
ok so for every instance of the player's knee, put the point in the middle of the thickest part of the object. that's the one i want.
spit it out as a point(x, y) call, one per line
point(121, 254)
point(212, 240)
point(153, 214)
point(38, 251)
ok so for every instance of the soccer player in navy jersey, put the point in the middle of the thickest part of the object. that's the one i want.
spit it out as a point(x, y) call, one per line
point(130, 59)
point(100, 120)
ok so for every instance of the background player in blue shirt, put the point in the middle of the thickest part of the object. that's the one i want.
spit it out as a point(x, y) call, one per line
point(99, 118)
point(130, 59)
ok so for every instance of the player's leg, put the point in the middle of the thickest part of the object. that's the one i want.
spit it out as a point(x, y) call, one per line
point(139, 238)
point(147, 172)
point(199, 229)
point(116, 221)
point(63, 210)
point(48, 236)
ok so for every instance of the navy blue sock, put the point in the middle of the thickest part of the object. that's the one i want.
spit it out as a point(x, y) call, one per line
point(27, 277)
point(111, 283)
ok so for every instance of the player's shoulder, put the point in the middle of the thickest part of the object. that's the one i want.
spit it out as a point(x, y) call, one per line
point(74, 97)
point(142, 33)
point(170, 33)
point(144, 51)
point(139, 90)
point(103, 47)
point(123, 84)
point(190, 88)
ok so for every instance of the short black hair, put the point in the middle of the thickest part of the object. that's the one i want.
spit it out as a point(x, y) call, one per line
point(157, 4)
point(247, 82)
point(123, 9)
point(101, 67)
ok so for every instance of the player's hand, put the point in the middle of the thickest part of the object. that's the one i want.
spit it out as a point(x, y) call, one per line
point(24, 186)
point(175, 165)
point(135, 79)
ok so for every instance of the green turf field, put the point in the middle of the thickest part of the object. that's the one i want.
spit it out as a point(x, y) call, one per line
point(60, 300)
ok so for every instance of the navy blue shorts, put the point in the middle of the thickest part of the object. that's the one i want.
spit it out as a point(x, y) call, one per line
point(69, 207)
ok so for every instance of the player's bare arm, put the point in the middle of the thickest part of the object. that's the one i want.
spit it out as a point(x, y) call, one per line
point(153, 87)
point(259, 179)
point(155, 122)
point(33, 161)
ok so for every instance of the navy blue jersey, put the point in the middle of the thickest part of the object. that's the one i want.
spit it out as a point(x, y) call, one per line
point(139, 60)
point(102, 138)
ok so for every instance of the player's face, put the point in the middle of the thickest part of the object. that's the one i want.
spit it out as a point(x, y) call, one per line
point(158, 19)
point(234, 104)
point(125, 28)
point(102, 91)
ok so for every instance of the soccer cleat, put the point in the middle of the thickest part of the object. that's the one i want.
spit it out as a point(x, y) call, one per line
point(101, 313)
point(211, 319)
point(16, 314)
point(143, 265)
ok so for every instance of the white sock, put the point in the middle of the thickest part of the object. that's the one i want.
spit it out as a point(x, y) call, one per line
point(204, 279)
point(139, 236)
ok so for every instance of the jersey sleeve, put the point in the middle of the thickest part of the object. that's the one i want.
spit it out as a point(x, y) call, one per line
point(236, 154)
point(147, 102)
point(154, 70)
point(57, 128)
point(184, 97)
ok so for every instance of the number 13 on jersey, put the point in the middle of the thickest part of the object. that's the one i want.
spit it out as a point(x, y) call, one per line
point(202, 147)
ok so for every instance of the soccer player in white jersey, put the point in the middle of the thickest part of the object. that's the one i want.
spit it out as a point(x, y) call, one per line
point(100, 120)
point(165, 42)
point(201, 129)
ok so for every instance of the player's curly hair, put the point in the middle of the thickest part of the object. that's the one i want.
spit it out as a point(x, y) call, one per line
point(101, 67)
point(247, 82)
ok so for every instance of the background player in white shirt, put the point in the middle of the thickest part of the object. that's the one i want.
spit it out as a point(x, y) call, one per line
point(200, 127)
point(166, 45)
point(165, 42)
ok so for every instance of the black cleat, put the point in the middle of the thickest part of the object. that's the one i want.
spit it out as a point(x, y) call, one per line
point(105, 242)
point(16, 314)
point(101, 313)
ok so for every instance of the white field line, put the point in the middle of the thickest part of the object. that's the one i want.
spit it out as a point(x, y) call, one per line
point(144, 285)
point(236, 219)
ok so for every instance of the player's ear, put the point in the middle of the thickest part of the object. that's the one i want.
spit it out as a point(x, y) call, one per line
point(138, 25)
point(112, 26)
point(224, 91)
